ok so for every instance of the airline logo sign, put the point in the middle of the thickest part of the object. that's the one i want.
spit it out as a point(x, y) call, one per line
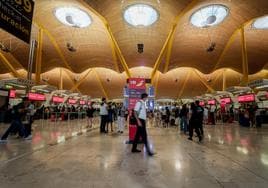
point(36, 97)
point(16, 17)
point(72, 101)
point(56, 99)
point(137, 83)
point(246, 98)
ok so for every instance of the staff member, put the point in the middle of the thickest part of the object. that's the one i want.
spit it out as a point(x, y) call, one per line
point(140, 115)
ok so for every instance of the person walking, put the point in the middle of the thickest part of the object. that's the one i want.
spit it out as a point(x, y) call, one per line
point(103, 115)
point(183, 115)
point(140, 114)
point(90, 113)
point(200, 117)
point(121, 119)
point(110, 118)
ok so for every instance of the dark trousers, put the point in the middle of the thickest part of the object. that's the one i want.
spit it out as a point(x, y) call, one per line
point(212, 116)
point(16, 125)
point(141, 132)
point(103, 123)
point(194, 125)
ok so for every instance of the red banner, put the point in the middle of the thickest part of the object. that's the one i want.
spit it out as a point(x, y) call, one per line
point(56, 99)
point(36, 97)
point(72, 101)
point(246, 98)
point(137, 83)
point(132, 103)
point(12, 93)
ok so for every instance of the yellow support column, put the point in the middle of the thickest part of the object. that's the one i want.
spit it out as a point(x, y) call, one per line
point(101, 85)
point(9, 66)
point(224, 80)
point(61, 80)
point(204, 82)
point(81, 80)
point(244, 58)
point(184, 84)
point(38, 63)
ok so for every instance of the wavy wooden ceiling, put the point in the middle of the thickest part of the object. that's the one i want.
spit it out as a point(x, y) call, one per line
point(94, 48)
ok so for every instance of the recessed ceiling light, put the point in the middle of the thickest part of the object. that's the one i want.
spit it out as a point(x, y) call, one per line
point(73, 16)
point(209, 16)
point(140, 15)
point(261, 23)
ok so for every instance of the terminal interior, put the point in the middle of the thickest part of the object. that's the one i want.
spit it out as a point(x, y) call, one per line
point(80, 51)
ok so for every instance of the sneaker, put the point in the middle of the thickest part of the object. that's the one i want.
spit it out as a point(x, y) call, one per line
point(3, 141)
point(151, 154)
point(28, 137)
point(136, 151)
point(190, 139)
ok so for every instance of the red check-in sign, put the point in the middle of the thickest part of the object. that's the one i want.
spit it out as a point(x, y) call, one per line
point(137, 83)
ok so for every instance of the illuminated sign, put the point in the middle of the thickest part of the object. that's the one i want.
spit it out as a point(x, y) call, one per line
point(82, 102)
point(89, 103)
point(72, 101)
point(12, 93)
point(246, 98)
point(202, 103)
point(56, 99)
point(137, 83)
point(36, 97)
point(211, 102)
point(16, 17)
point(226, 100)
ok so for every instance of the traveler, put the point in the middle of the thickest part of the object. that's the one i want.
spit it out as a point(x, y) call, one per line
point(121, 119)
point(103, 115)
point(110, 118)
point(140, 114)
point(200, 117)
point(183, 115)
point(193, 122)
point(90, 113)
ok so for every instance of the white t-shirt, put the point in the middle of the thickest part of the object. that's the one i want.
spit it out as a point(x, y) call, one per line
point(103, 110)
point(141, 109)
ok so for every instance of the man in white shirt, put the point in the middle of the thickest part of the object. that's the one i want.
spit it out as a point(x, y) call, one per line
point(104, 115)
point(140, 114)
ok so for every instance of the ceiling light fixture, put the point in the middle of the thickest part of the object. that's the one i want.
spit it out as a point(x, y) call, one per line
point(261, 23)
point(140, 15)
point(73, 17)
point(209, 16)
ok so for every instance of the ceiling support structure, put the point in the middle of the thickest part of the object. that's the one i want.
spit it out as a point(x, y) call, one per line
point(244, 58)
point(111, 36)
point(101, 85)
point(55, 44)
point(215, 80)
point(204, 82)
point(38, 63)
point(156, 81)
point(168, 41)
point(61, 80)
point(169, 49)
point(72, 80)
point(114, 56)
point(224, 80)
point(81, 80)
point(184, 84)
point(9, 66)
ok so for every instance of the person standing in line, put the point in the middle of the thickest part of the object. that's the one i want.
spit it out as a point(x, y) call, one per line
point(103, 115)
point(212, 114)
point(193, 123)
point(140, 115)
point(200, 117)
point(110, 118)
point(183, 115)
point(90, 112)
point(121, 119)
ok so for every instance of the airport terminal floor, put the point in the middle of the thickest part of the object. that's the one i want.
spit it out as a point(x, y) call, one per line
point(62, 155)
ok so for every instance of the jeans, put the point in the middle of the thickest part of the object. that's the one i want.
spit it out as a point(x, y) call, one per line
point(15, 125)
point(104, 119)
point(184, 124)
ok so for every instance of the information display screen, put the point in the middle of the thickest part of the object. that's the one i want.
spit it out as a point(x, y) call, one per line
point(246, 98)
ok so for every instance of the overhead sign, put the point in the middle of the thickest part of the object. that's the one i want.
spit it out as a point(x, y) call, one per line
point(72, 101)
point(211, 102)
point(82, 102)
point(12, 93)
point(226, 100)
point(36, 97)
point(202, 103)
point(137, 83)
point(56, 99)
point(246, 98)
point(16, 17)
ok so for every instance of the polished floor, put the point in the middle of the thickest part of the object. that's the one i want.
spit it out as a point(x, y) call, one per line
point(229, 156)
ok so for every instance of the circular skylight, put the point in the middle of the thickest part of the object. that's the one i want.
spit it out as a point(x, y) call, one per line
point(140, 15)
point(209, 16)
point(261, 23)
point(72, 16)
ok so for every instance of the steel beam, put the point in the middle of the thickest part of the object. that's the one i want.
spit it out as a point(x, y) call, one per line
point(184, 84)
point(9, 66)
point(61, 80)
point(224, 80)
point(204, 82)
point(81, 80)
point(100, 83)
point(73, 82)
point(244, 58)
point(170, 36)
point(38, 63)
